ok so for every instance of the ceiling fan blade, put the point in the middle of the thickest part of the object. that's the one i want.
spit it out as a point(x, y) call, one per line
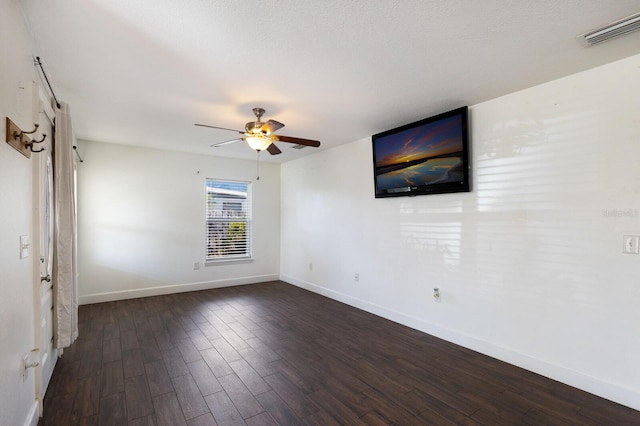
point(271, 126)
point(273, 149)
point(215, 145)
point(299, 141)
point(219, 128)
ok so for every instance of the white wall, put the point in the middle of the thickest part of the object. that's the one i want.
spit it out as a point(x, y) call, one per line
point(141, 222)
point(529, 264)
point(17, 403)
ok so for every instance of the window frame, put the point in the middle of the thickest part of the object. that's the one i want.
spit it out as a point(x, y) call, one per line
point(210, 219)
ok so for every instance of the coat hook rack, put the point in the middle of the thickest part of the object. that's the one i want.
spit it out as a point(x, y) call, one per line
point(20, 140)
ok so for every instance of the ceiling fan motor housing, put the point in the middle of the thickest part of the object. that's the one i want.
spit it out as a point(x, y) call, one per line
point(254, 126)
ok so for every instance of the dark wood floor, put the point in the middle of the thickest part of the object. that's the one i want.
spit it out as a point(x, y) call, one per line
point(272, 353)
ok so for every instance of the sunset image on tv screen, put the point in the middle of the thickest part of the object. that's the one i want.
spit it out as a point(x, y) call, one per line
point(423, 155)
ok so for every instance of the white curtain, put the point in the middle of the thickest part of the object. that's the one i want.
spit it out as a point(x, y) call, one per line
point(65, 272)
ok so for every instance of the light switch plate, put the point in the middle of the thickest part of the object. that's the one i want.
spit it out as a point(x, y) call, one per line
point(631, 245)
point(25, 244)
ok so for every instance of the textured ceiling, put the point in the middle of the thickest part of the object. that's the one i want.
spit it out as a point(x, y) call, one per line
point(142, 72)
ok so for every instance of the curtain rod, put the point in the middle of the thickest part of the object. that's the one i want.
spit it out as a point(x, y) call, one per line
point(39, 63)
point(75, 149)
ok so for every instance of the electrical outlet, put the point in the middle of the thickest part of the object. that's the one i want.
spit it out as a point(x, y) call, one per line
point(310, 266)
point(356, 277)
point(196, 266)
point(631, 245)
point(436, 294)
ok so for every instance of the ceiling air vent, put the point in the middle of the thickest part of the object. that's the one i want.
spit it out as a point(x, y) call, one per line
point(612, 30)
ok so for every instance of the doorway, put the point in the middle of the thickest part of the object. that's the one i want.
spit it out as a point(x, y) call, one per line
point(43, 176)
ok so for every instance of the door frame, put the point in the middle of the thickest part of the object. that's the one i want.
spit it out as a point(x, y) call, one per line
point(43, 236)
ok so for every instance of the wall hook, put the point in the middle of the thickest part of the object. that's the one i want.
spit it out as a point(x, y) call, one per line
point(35, 129)
point(44, 136)
point(30, 143)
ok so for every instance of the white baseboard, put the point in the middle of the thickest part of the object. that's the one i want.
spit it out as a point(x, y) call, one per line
point(610, 391)
point(111, 296)
point(33, 416)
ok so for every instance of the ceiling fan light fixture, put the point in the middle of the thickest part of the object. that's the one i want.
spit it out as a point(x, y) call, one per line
point(258, 143)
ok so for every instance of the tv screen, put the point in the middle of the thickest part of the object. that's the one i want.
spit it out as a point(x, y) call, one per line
point(430, 156)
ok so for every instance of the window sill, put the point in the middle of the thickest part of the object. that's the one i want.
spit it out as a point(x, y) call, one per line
point(214, 262)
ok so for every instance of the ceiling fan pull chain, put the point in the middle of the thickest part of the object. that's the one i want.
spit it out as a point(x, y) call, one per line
point(258, 166)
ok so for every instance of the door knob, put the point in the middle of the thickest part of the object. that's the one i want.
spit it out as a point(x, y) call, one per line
point(47, 278)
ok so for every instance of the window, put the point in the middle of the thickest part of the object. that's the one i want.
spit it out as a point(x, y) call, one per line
point(228, 220)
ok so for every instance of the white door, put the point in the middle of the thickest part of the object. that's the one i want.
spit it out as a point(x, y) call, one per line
point(43, 230)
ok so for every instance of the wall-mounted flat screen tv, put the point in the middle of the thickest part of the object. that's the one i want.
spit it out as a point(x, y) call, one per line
point(430, 156)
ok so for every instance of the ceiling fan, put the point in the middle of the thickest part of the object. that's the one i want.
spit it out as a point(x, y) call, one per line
point(260, 136)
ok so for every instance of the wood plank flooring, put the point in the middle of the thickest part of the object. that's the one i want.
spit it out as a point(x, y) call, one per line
point(272, 353)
